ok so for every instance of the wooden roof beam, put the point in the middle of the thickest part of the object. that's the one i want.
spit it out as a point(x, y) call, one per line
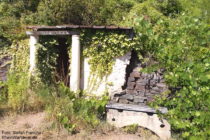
point(64, 32)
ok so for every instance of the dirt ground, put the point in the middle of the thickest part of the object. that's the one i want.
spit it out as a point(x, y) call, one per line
point(36, 126)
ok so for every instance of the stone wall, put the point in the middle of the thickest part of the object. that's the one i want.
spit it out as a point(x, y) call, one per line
point(140, 87)
point(145, 85)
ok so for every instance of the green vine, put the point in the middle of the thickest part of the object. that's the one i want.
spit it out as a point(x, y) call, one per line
point(17, 82)
point(47, 55)
point(102, 47)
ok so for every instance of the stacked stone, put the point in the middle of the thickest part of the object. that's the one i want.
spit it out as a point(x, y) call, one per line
point(141, 87)
point(125, 98)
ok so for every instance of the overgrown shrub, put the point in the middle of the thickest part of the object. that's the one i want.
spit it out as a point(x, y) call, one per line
point(20, 96)
point(47, 54)
point(18, 85)
point(181, 47)
point(75, 111)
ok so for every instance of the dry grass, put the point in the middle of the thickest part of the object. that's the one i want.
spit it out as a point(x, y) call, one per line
point(38, 122)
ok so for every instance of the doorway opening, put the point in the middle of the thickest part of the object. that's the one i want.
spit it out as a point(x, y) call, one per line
point(63, 64)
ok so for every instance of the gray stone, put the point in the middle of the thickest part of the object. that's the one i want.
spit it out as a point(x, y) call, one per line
point(136, 108)
point(131, 85)
point(162, 81)
point(130, 91)
point(138, 99)
point(161, 85)
point(120, 94)
point(129, 97)
point(140, 87)
point(156, 89)
point(151, 76)
point(135, 74)
point(150, 99)
point(131, 79)
point(155, 92)
point(148, 87)
point(140, 93)
point(112, 102)
point(144, 75)
point(117, 99)
point(123, 101)
point(141, 82)
point(152, 82)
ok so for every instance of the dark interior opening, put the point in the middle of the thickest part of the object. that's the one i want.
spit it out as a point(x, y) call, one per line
point(62, 68)
point(134, 61)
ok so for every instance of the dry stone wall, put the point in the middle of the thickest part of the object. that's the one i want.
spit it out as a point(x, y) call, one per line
point(141, 87)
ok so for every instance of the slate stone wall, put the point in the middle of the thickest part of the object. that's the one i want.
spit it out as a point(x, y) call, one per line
point(140, 87)
point(145, 85)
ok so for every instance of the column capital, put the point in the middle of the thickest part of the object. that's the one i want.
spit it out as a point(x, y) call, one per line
point(31, 33)
point(76, 35)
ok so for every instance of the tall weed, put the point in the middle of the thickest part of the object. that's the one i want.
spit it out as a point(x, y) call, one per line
point(18, 85)
point(75, 111)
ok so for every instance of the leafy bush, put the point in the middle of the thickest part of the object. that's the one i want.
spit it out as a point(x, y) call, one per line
point(75, 111)
point(47, 54)
point(17, 84)
point(19, 96)
point(17, 91)
point(181, 47)
point(10, 26)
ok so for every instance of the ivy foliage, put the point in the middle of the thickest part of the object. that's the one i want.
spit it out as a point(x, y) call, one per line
point(47, 54)
point(16, 87)
point(102, 47)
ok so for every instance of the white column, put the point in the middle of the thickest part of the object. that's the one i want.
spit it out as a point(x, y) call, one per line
point(32, 43)
point(86, 74)
point(75, 64)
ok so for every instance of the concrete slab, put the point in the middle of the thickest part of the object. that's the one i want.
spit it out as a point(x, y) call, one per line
point(151, 121)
